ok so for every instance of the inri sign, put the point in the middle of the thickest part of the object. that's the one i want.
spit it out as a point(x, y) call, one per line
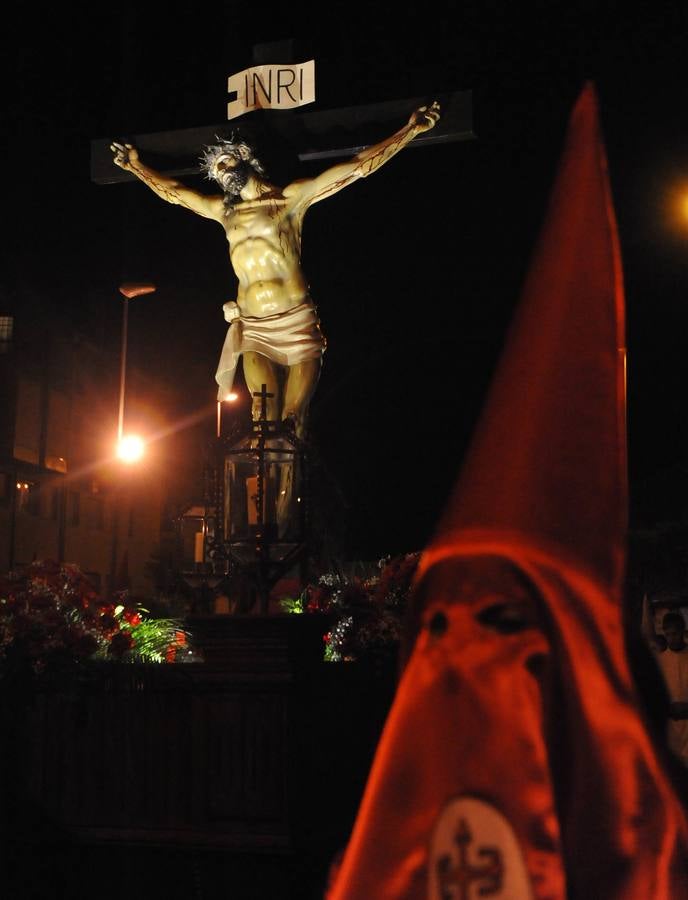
point(271, 87)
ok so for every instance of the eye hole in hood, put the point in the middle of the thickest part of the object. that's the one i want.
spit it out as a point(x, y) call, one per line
point(508, 617)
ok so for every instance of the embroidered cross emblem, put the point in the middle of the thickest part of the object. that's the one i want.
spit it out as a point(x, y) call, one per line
point(486, 873)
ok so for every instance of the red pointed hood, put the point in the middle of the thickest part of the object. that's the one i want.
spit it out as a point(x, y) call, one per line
point(548, 460)
point(515, 761)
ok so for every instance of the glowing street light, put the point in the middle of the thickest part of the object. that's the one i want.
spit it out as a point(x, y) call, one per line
point(129, 448)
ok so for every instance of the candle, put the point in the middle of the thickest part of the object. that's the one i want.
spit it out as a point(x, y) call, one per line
point(198, 547)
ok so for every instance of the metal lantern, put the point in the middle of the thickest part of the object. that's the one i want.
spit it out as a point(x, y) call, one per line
point(261, 502)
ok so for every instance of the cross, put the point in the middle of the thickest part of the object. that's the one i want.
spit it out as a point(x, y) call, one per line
point(264, 394)
point(464, 874)
point(314, 135)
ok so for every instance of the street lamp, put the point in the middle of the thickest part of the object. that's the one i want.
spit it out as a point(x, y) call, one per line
point(231, 397)
point(131, 447)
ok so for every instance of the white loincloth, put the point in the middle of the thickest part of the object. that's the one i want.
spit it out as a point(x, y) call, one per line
point(286, 338)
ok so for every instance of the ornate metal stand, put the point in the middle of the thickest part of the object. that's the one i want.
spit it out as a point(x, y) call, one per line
point(257, 511)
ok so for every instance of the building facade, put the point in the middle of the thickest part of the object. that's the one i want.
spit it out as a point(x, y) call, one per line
point(63, 494)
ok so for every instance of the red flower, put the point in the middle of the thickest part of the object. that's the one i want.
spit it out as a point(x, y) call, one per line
point(132, 617)
point(318, 598)
point(180, 639)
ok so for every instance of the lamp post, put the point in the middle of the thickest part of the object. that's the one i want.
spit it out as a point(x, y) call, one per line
point(231, 397)
point(128, 448)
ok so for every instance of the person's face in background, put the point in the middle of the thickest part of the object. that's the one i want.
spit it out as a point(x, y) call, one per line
point(675, 634)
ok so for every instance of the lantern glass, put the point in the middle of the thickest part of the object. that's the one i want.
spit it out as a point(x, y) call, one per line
point(262, 497)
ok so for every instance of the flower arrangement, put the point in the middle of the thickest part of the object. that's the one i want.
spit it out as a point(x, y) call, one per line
point(368, 612)
point(52, 614)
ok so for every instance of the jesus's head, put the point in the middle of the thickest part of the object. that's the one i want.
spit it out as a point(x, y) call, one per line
point(230, 164)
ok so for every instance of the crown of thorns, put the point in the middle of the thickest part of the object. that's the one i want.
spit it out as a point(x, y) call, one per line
point(238, 149)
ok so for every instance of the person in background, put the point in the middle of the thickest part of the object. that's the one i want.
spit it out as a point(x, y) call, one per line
point(673, 663)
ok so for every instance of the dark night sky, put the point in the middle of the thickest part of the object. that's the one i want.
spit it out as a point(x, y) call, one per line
point(416, 270)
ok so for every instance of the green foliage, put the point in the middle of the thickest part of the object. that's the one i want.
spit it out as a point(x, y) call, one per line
point(52, 615)
point(293, 605)
point(368, 612)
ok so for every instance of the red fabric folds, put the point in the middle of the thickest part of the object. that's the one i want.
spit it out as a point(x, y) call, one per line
point(515, 762)
point(549, 456)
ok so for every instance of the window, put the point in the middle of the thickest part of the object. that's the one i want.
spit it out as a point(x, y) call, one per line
point(56, 463)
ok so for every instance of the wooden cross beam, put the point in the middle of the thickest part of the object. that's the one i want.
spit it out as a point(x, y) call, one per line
point(310, 134)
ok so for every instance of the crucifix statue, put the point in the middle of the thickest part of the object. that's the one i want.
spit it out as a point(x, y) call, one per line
point(273, 322)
